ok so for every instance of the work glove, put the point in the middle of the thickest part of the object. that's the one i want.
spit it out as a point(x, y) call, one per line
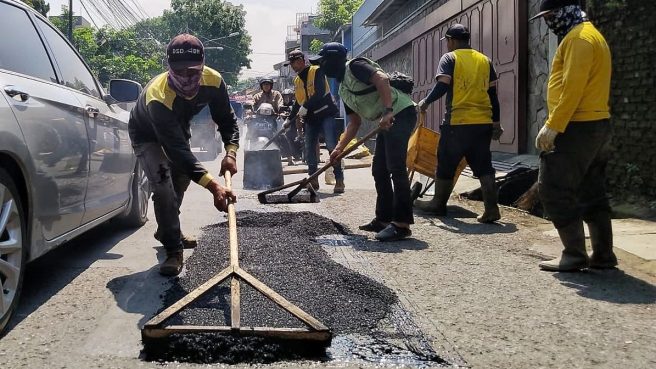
point(545, 139)
point(497, 131)
point(422, 106)
point(302, 111)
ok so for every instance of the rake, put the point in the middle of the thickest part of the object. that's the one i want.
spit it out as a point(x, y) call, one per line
point(316, 332)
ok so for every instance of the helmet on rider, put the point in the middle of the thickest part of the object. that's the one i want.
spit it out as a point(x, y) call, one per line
point(266, 80)
point(287, 96)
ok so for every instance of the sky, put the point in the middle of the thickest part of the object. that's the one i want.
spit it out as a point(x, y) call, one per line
point(266, 23)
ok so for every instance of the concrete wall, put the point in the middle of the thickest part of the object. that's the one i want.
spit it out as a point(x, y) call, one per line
point(538, 74)
point(630, 29)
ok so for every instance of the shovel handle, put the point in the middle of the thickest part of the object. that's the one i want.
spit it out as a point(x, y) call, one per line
point(232, 223)
point(280, 132)
point(316, 174)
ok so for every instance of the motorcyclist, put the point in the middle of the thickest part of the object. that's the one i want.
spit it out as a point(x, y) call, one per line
point(268, 95)
point(293, 136)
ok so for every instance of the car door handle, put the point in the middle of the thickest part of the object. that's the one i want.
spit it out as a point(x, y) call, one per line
point(16, 94)
point(92, 111)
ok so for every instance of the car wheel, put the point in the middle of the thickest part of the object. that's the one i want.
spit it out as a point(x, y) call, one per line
point(13, 247)
point(140, 194)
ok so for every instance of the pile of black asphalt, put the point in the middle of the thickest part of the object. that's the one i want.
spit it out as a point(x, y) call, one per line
point(278, 249)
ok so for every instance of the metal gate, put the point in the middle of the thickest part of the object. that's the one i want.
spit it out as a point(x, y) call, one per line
point(498, 29)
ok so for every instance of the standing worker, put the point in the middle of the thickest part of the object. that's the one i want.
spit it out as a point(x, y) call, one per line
point(315, 105)
point(159, 128)
point(366, 92)
point(574, 141)
point(268, 95)
point(470, 123)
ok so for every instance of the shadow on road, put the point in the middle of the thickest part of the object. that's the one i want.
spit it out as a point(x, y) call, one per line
point(409, 244)
point(452, 223)
point(141, 292)
point(47, 275)
point(609, 285)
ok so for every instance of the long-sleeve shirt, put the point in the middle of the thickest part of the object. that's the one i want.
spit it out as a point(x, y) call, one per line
point(162, 116)
point(272, 97)
point(579, 84)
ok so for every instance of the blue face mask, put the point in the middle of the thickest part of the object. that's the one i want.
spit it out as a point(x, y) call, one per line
point(561, 21)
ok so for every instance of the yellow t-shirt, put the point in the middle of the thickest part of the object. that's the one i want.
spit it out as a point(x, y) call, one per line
point(579, 84)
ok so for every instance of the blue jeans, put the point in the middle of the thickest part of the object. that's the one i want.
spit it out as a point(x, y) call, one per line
point(312, 130)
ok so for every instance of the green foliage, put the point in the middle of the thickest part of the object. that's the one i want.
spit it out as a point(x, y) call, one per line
point(315, 46)
point(243, 84)
point(336, 13)
point(139, 52)
point(39, 5)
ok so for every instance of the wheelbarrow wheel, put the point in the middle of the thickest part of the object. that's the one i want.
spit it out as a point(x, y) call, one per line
point(415, 191)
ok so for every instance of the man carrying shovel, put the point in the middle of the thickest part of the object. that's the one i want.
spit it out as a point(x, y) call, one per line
point(366, 93)
point(159, 131)
point(315, 105)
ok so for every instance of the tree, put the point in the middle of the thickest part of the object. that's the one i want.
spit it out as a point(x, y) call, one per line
point(39, 5)
point(207, 20)
point(315, 46)
point(336, 13)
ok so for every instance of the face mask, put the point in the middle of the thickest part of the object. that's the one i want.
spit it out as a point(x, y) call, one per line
point(334, 68)
point(564, 19)
point(187, 86)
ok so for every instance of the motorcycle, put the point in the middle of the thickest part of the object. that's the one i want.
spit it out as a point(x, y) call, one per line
point(261, 127)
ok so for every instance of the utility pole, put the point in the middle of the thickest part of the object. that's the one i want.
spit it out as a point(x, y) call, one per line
point(70, 20)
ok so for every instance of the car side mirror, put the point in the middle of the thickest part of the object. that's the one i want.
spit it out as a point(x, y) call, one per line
point(124, 90)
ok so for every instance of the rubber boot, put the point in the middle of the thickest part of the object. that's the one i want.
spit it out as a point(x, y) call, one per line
point(490, 198)
point(339, 186)
point(574, 256)
point(437, 205)
point(601, 237)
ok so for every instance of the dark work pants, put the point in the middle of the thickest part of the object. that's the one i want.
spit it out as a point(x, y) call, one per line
point(168, 186)
point(572, 176)
point(393, 202)
point(469, 141)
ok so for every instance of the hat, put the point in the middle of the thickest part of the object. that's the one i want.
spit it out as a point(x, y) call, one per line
point(185, 51)
point(330, 49)
point(547, 6)
point(457, 32)
point(293, 55)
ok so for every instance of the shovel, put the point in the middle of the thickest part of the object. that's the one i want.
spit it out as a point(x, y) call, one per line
point(304, 182)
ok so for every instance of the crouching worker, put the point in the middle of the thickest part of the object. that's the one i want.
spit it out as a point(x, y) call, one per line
point(471, 122)
point(366, 93)
point(159, 128)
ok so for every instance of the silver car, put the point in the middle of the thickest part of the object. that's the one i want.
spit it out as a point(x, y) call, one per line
point(66, 162)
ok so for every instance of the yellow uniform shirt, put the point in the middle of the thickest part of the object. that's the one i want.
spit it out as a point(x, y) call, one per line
point(579, 84)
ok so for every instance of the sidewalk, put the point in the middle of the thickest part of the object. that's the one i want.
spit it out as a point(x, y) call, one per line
point(634, 239)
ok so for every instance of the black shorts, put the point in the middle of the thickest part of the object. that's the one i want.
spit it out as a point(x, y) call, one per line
point(471, 142)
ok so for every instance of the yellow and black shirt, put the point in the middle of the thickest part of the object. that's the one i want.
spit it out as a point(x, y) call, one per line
point(468, 100)
point(162, 116)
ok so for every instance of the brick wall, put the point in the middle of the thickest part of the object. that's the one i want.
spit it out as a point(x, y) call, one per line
point(630, 29)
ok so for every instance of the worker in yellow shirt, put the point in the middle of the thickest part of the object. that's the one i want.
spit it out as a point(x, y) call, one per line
point(574, 141)
point(471, 122)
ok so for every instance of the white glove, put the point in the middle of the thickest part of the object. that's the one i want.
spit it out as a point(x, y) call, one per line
point(545, 139)
point(422, 106)
point(302, 111)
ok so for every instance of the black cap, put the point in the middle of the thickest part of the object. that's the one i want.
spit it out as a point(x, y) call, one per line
point(185, 51)
point(457, 32)
point(332, 49)
point(547, 6)
point(294, 55)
